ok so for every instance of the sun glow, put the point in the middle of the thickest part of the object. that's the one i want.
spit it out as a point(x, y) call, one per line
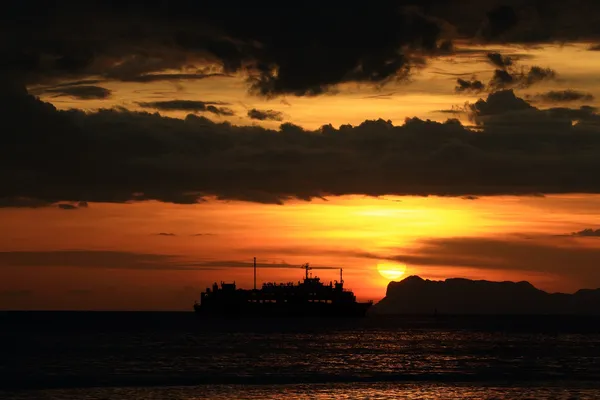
point(391, 271)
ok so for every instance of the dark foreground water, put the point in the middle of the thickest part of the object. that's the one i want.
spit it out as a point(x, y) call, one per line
point(178, 356)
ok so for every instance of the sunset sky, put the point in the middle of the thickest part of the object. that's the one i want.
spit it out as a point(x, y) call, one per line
point(150, 149)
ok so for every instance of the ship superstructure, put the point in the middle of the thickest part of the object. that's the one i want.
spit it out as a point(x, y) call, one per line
point(311, 297)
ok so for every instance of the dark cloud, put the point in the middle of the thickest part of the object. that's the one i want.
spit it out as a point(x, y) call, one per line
point(587, 233)
point(502, 79)
point(159, 38)
point(126, 260)
point(72, 206)
point(265, 115)
point(92, 259)
point(524, 78)
point(384, 96)
point(12, 294)
point(166, 234)
point(562, 96)
point(537, 74)
point(567, 259)
point(500, 102)
point(520, 21)
point(53, 42)
point(509, 75)
point(498, 21)
point(473, 85)
point(67, 206)
point(146, 78)
point(503, 111)
point(499, 61)
point(454, 110)
point(23, 202)
point(189, 105)
point(203, 234)
point(249, 264)
point(81, 92)
point(119, 156)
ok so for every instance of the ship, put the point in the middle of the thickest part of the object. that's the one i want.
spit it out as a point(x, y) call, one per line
point(309, 298)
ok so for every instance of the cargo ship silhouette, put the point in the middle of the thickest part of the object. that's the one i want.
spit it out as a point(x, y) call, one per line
point(308, 298)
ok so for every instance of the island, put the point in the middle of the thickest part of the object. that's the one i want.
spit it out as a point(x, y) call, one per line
point(458, 296)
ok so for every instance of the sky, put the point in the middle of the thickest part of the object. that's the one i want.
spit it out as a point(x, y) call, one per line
point(150, 149)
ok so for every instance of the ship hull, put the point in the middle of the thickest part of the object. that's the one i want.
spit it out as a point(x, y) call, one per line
point(350, 310)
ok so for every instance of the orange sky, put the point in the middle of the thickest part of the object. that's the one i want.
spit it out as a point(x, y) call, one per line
point(112, 256)
point(337, 232)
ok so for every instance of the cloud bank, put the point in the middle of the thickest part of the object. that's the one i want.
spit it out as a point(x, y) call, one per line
point(118, 156)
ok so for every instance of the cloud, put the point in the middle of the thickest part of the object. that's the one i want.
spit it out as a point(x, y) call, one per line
point(523, 79)
point(498, 21)
point(502, 79)
point(244, 264)
point(203, 234)
point(12, 294)
point(473, 85)
point(537, 74)
point(567, 259)
point(119, 156)
point(499, 61)
point(508, 75)
point(72, 206)
point(184, 37)
point(127, 260)
point(23, 202)
point(81, 92)
point(587, 233)
point(189, 105)
point(562, 96)
point(166, 234)
point(157, 77)
point(156, 39)
point(188, 40)
point(67, 206)
point(263, 115)
point(500, 102)
point(503, 111)
point(92, 259)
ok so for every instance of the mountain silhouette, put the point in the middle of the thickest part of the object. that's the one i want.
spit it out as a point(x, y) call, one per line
point(415, 295)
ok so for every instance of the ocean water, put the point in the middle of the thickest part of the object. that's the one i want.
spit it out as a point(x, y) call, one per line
point(179, 356)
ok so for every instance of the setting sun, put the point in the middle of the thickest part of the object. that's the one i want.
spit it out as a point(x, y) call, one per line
point(391, 271)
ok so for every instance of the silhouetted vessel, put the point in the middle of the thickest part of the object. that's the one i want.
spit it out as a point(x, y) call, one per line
point(305, 299)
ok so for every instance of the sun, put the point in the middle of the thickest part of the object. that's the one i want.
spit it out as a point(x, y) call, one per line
point(391, 271)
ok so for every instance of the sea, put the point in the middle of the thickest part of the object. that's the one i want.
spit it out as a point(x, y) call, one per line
point(180, 356)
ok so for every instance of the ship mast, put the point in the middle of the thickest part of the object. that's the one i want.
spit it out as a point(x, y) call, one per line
point(306, 268)
point(341, 276)
point(254, 273)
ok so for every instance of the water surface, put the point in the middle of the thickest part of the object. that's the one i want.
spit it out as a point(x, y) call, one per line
point(178, 356)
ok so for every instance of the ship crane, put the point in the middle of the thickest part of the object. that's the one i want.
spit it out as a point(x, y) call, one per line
point(306, 267)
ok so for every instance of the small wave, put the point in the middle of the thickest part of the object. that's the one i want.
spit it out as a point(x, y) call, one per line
point(480, 379)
